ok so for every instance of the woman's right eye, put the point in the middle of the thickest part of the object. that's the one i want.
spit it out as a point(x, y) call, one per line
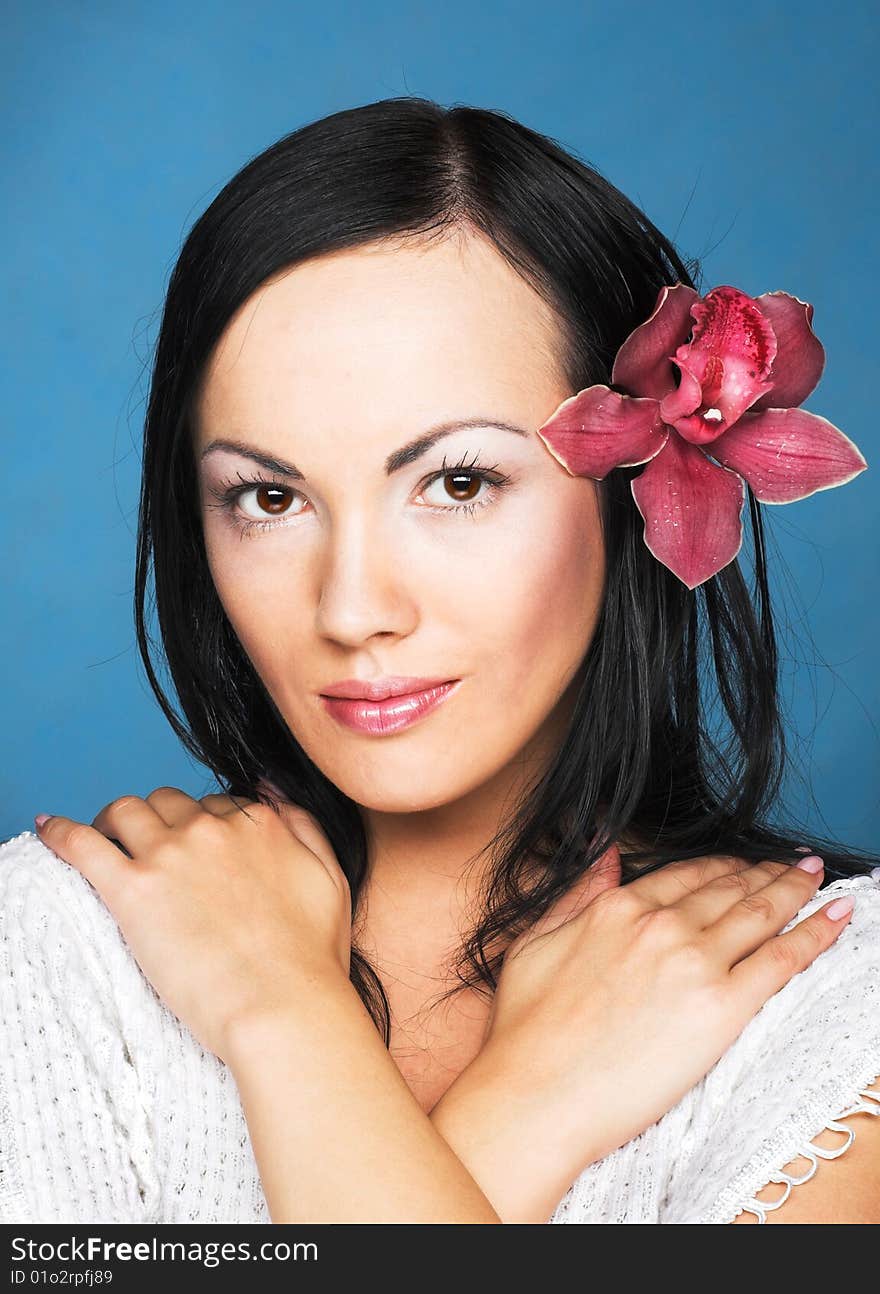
point(267, 501)
point(267, 494)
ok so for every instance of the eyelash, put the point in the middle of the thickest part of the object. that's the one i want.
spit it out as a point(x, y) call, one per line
point(228, 493)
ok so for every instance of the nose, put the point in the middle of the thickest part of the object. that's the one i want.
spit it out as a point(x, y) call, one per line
point(363, 586)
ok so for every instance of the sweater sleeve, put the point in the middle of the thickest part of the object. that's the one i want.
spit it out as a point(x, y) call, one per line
point(801, 1065)
point(75, 1142)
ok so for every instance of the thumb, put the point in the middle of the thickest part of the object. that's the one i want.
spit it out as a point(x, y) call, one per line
point(603, 875)
point(264, 784)
point(306, 827)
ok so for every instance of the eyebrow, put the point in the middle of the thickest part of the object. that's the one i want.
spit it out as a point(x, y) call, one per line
point(393, 463)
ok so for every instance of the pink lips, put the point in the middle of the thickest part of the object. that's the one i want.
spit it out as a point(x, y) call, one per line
point(395, 710)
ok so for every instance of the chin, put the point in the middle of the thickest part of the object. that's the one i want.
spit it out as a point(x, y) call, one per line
point(411, 785)
point(403, 797)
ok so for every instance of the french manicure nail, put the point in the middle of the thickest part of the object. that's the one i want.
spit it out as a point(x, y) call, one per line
point(811, 864)
point(40, 818)
point(840, 907)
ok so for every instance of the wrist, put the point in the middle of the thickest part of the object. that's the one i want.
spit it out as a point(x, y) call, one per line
point(518, 1138)
point(289, 1012)
point(327, 1109)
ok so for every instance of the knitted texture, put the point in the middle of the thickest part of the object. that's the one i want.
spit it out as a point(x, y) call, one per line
point(111, 1111)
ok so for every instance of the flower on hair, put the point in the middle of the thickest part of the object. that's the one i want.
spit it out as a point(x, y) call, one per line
point(743, 363)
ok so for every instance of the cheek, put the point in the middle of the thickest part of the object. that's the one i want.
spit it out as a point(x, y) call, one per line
point(544, 596)
point(265, 621)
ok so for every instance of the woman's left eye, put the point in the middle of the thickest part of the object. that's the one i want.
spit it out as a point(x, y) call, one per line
point(461, 488)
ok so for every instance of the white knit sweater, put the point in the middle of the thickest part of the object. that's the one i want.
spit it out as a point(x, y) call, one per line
point(111, 1111)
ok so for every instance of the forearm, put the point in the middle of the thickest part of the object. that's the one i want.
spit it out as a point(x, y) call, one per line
point(336, 1133)
point(513, 1137)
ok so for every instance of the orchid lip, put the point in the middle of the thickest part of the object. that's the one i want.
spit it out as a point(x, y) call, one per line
point(380, 689)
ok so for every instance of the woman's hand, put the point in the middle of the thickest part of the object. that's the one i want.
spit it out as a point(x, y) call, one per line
point(618, 1012)
point(600, 1025)
point(228, 906)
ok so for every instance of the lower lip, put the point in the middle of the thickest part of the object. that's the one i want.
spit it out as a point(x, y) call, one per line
point(380, 718)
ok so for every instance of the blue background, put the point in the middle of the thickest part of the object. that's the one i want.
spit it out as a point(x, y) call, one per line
point(747, 132)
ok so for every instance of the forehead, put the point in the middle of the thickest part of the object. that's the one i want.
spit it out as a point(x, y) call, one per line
point(414, 328)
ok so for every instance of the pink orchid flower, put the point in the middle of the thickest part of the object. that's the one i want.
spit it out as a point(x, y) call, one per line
point(744, 364)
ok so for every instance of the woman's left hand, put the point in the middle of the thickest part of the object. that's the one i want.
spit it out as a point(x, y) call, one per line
point(228, 913)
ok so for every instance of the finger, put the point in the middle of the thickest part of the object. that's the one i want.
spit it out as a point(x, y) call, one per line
point(173, 806)
point(303, 825)
point(223, 805)
point(673, 882)
point(131, 822)
point(750, 922)
point(766, 971)
point(709, 902)
point(88, 850)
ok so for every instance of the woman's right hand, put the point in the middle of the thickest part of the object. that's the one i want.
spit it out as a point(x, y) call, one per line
point(614, 1015)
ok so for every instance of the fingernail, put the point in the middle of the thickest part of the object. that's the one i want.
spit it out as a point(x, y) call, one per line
point(840, 907)
point(41, 818)
point(812, 864)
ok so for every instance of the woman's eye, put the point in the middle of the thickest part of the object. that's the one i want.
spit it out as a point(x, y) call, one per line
point(265, 505)
point(269, 501)
point(252, 505)
point(461, 488)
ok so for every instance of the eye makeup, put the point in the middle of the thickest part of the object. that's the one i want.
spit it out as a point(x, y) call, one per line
point(228, 492)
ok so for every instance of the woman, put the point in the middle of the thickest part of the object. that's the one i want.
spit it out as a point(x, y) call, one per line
point(519, 945)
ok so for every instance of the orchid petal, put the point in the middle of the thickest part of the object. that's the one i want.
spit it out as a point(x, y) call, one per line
point(730, 354)
point(682, 399)
point(788, 454)
point(800, 356)
point(596, 430)
point(642, 365)
point(691, 509)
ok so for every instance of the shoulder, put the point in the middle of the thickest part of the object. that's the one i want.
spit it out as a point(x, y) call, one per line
point(56, 930)
point(58, 937)
point(35, 882)
point(807, 1057)
point(74, 1009)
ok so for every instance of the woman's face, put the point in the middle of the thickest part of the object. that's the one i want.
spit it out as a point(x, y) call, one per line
point(359, 567)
